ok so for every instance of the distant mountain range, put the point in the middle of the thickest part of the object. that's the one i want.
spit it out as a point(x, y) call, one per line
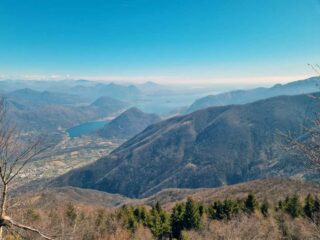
point(112, 90)
point(83, 89)
point(43, 85)
point(246, 96)
point(34, 111)
point(128, 124)
point(207, 148)
point(30, 96)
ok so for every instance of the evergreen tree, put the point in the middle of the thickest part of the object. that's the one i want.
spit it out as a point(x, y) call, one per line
point(136, 213)
point(216, 211)
point(144, 216)
point(127, 214)
point(131, 222)
point(309, 206)
point(241, 205)
point(158, 207)
point(316, 215)
point(141, 215)
point(265, 208)
point(191, 216)
point(225, 210)
point(251, 203)
point(156, 225)
point(201, 210)
point(219, 210)
point(177, 218)
point(292, 205)
point(160, 222)
point(234, 207)
point(280, 205)
point(317, 204)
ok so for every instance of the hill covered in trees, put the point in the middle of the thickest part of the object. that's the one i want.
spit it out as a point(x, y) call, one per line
point(207, 148)
point(128, 124)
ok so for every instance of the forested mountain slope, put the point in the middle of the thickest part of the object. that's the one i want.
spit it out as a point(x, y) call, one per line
point(207, 148)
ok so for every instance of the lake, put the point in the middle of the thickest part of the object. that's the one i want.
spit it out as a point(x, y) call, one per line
point(85, 128)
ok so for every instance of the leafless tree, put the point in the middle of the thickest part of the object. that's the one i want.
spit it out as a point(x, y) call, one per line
point(14, 155)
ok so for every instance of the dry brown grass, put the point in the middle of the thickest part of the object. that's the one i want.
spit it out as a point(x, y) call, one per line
point(244, 227)
point(97, 221)
point(274, 189)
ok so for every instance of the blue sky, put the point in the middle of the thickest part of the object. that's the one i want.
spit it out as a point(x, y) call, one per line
point(198, 41)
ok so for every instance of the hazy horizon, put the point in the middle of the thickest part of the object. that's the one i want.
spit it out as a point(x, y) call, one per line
point(237, 82)
point(177, 42)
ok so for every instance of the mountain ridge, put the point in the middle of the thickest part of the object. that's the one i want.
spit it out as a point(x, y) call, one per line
point(128, 124)
point(275, 188)
point(52, 116)
point(246, 96)
point(207, 148)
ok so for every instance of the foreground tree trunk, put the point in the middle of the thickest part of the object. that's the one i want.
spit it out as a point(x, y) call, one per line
point(3, 209)
point(13, 158)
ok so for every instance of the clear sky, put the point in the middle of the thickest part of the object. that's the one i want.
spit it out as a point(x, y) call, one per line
point(163, 40)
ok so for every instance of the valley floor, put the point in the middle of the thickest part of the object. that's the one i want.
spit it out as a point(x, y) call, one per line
point(67, 154)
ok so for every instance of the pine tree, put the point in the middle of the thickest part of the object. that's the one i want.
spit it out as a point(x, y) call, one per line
point(240, 205)
point(216, 211)
point(141, 215)
point(251, 203)
point(156, 226)
point(227, 208)
point(280, 205)
point(309, 207)
point(317, 204)
point(177, 217)
point(131, 222)
point(158, 207)
point(265, 208)
point(160, 222)
point(316, 215)
point(191, 217)
point(201, 210)
point(293, 206)
point(144, 216)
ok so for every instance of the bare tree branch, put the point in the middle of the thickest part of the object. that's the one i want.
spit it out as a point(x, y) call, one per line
point(9, 221)
point(14, 156)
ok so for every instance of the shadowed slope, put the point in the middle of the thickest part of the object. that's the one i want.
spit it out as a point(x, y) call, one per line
point(208, 148)
point(128, 124)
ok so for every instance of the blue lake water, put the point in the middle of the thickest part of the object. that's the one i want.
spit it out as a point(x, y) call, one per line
point(85, 128)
